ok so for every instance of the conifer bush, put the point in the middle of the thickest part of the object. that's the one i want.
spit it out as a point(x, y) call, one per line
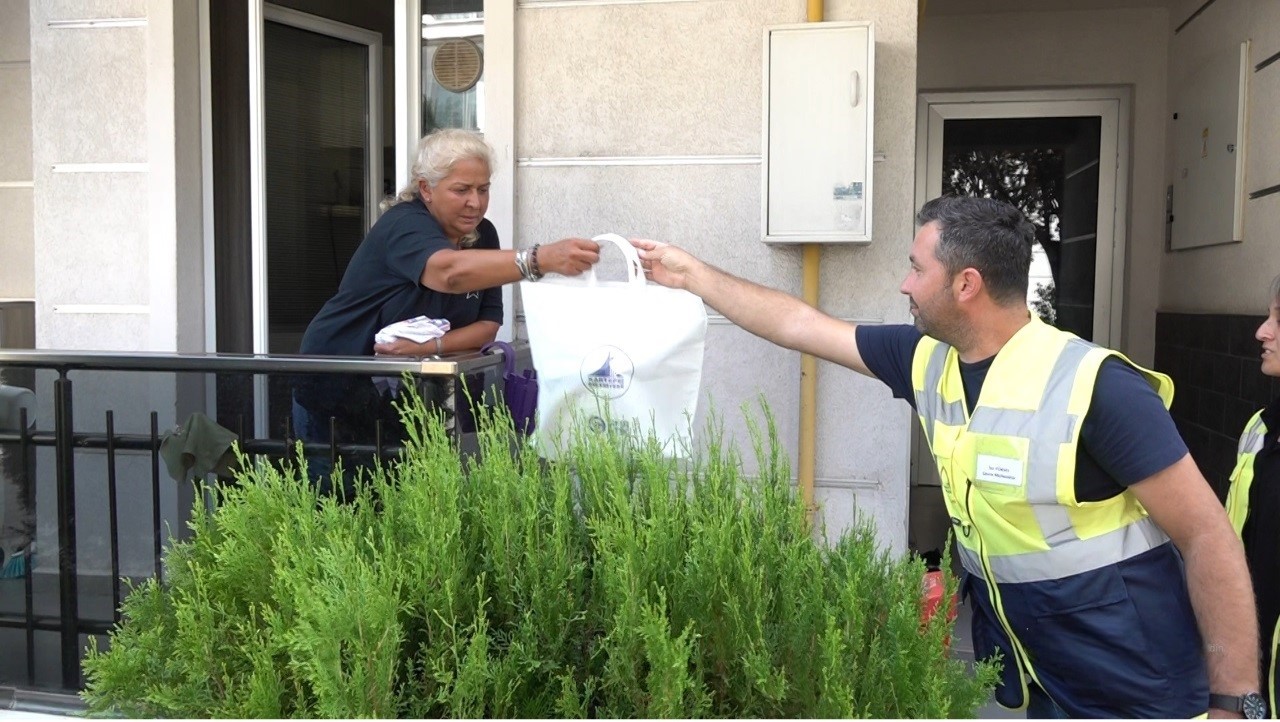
point(616, 583)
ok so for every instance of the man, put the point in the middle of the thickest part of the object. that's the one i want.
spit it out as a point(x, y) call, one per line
point(1067, 483)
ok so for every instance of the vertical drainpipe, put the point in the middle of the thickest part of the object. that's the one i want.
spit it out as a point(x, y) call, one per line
point(809, 364)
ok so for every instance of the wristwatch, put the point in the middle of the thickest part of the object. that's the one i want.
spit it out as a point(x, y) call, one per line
point(1250, 704)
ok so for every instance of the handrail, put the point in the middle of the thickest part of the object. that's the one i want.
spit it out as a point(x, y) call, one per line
point(445, 375)
point(249, 363)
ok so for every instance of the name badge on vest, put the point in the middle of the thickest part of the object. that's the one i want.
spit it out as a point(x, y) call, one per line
point(999, 470)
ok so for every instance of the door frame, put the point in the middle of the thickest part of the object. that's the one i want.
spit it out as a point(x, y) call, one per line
point(1112, 105)
point(267, 12)
point(260, 13)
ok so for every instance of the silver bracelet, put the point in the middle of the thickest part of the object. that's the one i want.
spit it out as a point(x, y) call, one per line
point(522, 263)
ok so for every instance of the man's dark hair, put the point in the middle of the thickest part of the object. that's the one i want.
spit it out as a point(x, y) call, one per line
point(983, 233)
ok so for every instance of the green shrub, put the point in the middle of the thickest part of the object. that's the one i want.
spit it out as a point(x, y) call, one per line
point(618, 583)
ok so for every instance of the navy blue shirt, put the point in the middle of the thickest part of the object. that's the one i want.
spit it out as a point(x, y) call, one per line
point(1127, 434)
point(383, 285)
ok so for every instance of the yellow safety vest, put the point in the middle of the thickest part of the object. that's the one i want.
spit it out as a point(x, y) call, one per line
point(1251, 442)
point(1008, 470)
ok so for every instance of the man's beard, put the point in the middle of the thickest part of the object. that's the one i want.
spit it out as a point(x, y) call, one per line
point(948, 331)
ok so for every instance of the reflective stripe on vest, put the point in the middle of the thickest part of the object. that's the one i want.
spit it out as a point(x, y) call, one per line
point(1251, 440)
point(1046, 433)
point(929, 403)
point(1083, 555)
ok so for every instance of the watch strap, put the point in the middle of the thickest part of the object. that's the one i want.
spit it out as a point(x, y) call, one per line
point(1228, 702)
point(1250, 704)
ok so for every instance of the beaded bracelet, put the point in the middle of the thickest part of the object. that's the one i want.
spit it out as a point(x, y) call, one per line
point(534, 269)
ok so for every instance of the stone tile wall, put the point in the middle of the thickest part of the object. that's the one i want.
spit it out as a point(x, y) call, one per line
point(1213, 359)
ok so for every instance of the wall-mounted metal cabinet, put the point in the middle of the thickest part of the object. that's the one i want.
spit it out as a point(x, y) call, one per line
point(818, 120)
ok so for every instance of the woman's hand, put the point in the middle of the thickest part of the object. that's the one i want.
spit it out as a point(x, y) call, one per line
point(665, 265)
point(405, 347)
point(568, 256)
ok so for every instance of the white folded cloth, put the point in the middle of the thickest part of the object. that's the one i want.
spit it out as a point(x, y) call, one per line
point(417, 329)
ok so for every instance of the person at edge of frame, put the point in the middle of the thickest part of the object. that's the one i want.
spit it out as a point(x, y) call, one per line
point(1253, 501)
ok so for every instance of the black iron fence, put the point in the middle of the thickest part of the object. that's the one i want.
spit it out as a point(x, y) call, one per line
point(89, 502)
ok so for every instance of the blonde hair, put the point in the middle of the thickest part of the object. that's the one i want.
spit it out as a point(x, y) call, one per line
point(438, 152)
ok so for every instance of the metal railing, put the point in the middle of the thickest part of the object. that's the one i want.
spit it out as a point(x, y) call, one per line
point(247, 394)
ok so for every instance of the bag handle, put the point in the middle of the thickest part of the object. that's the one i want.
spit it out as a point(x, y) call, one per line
point(635, 271)
point(508, 355)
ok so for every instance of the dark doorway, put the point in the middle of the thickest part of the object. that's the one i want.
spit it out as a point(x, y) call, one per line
point(316, 202)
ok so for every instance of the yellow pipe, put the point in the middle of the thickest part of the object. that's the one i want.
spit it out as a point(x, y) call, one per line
point(809, 364)
point(809, 387)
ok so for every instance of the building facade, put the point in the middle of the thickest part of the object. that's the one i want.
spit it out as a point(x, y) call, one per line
point(190, 175)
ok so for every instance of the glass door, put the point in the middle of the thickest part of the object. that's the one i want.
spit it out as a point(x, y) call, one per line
point(1059, 158)
point(316, 175)
point(320, 192)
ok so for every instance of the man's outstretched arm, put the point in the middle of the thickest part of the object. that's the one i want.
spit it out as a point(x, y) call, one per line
point(768, 313)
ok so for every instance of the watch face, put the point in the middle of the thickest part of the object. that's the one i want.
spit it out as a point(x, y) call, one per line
point(1254, 706)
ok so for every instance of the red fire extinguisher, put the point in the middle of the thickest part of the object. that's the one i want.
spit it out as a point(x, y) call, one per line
point(932, 588)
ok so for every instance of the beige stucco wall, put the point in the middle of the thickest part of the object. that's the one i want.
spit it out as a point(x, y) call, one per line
point(1232, 278)
point(1078, 48)
point(117, 228)
point(16, 246)
point(661, 79)
point(116, 172)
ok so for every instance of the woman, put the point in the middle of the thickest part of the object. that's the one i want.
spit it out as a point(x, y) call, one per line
point(1253, 502)
point(432, 253)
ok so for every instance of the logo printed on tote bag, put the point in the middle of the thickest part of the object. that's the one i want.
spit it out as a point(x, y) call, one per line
point(607, 371)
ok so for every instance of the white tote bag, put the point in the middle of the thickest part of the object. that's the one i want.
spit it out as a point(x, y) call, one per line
point(614, 351)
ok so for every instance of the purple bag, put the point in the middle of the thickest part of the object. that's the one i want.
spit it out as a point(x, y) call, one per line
point(519, 392)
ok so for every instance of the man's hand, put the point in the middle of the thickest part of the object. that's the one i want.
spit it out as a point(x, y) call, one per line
point(768, 313)
point(568, 256)
point(664, 264)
